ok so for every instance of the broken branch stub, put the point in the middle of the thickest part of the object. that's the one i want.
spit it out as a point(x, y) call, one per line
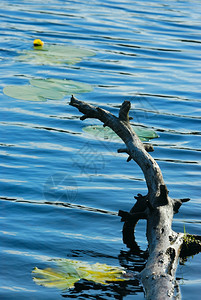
point(164, 245)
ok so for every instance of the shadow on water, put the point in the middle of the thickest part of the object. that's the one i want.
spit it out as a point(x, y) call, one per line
point(133, 264)
point(132, 261)
point(89, 290)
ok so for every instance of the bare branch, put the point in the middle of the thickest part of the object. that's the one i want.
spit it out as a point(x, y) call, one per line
point(156, 207)
point(122, 128)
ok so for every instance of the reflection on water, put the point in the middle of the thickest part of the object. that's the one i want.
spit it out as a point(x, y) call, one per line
point(147, 53)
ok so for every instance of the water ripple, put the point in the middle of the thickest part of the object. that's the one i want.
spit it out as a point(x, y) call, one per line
point(147, 52)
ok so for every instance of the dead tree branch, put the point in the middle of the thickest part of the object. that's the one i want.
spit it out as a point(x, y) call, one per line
point(164, 245)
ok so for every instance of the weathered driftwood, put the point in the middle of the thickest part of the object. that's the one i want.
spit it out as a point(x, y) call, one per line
point(164, 245)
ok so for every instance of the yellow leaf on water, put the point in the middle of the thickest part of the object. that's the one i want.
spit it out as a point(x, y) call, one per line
point(68, 272)
point(52, 278)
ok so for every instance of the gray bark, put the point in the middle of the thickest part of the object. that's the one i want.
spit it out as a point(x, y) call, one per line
point(164, 245)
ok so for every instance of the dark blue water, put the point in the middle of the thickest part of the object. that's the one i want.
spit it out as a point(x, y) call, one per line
point(61, 188)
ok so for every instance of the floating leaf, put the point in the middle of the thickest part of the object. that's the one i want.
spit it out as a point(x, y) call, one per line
point(107, 133)
point(70, 271)
point(144, 134)
point(31, 93)
point(55, 54)
point(43, 89)
point(68, 87)
point(53, 278)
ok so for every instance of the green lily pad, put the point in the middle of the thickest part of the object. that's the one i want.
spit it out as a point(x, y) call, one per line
point(55, 54)
point(107, 133)
point(68, 87)
point(46, 89)
point(70, 271)
point(31, 93)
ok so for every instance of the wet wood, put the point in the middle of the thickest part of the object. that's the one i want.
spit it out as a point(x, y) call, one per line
point(164, 245)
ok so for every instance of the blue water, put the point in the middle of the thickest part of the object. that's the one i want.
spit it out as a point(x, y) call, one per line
point(58, 202)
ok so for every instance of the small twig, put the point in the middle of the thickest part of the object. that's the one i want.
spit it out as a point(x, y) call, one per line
point(148, 147)
point(131, 217)
point(124, 111)
point(177, 204)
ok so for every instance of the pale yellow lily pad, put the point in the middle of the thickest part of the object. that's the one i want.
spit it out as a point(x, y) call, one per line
point(68, 87)
point(68, 272)
point(31, 93)
point(46, 89)
point(55, 54)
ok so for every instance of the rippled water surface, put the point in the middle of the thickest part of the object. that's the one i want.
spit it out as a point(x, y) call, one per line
point(61, 188)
